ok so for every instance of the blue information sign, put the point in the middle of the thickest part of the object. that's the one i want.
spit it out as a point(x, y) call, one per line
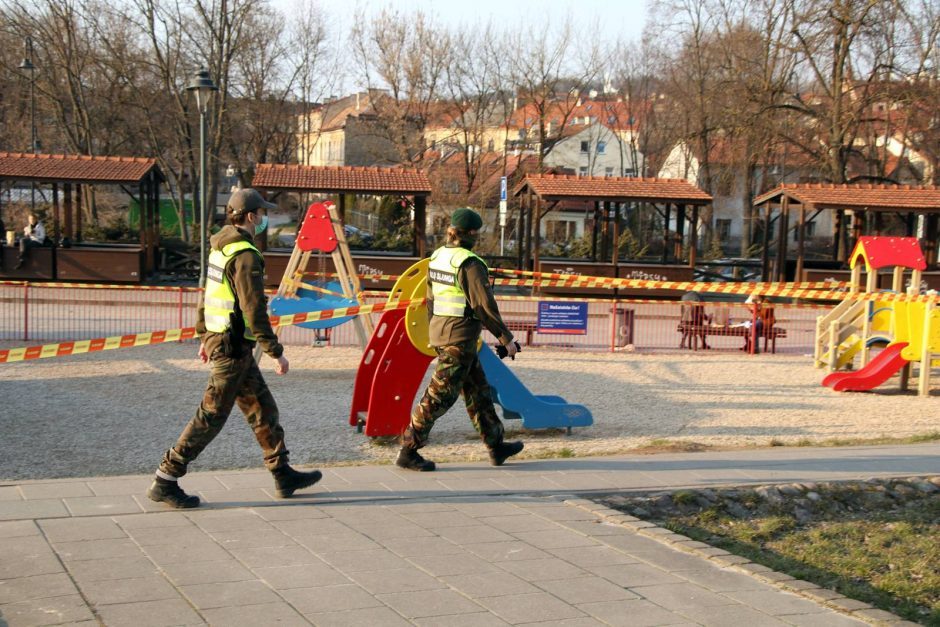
point(562, 318)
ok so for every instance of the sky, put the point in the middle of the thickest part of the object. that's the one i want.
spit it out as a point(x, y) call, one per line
point(616, 18)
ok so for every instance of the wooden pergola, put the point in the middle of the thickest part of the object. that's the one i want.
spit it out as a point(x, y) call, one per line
point(340, 180)
point(540, 193)
point(868, 204)
point(71, 172)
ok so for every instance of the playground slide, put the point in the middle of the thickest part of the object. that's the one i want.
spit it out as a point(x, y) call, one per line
point(536, 412)
point(880, 369)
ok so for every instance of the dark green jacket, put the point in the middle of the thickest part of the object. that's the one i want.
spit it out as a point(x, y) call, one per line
point(475, 282)
point(245, 273)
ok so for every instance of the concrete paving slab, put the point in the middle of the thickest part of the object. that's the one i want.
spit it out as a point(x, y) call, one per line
point(440, 603)
point(102, 505)
point(150, 614)
point(529, 608)
point(32, 510)
point(191, 573)
point(36, 587)
point(489, 584)
point(150, 588)
point(313, 575)
point(543, 569)
point(254, 615)
point(46, 611)
point(69, 530)
point(111, 568)
point(228, 594)
point(382, 542)
point(372, 616)
point(337, 598)
point(33, 491)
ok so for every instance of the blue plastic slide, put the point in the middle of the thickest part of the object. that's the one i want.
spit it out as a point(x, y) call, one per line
point(537, 412)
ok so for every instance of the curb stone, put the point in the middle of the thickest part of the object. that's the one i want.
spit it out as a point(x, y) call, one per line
point(828, 598)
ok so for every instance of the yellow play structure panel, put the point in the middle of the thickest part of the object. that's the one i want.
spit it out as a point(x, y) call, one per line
point(413, 284)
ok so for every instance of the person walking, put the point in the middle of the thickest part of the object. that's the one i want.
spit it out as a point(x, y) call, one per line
point(460, 305)
point(232, 318)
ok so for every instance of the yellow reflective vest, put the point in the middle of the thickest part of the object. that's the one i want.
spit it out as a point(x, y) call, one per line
point(449, 298)
point(219, 299)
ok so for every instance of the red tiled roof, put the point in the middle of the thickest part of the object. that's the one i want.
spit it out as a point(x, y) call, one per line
point(340, 178)
point(877, 197)
point(74, 168)
point(884, 252)
point(595, 187)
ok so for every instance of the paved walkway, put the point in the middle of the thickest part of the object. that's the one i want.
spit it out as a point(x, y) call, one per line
point(467, 545)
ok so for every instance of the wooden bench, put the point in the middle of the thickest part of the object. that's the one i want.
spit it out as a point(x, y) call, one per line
point(695, 331)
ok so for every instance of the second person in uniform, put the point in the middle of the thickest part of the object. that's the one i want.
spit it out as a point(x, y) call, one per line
point(460, 305)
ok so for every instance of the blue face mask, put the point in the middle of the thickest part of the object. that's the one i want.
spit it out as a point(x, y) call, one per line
point(259, 228)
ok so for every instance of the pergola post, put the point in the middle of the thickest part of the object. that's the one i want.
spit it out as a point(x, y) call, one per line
point(78, 212)
point(765, 254)
point(666, 213)
point(930, 239)
point(535, 225)
point(693, 237)
point(55, 213)
point(594, 229)
point(801, 245)
point(838, 245)
point(420, 225)
point(67, 190)
point(680, 231)
point(782, 218)
point(341, 208)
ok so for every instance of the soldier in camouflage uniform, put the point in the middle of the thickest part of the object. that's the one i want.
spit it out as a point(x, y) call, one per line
point(232, 318)
point(460, 304)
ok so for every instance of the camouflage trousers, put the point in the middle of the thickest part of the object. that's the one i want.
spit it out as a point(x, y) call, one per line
point(458, 370)
point(231, 380)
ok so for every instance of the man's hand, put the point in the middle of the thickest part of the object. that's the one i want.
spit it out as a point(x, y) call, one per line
point(508, 350)
point(203, 355)
point(282, 365)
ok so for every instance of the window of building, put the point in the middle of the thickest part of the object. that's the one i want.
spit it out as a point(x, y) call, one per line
point(582, 171)
point(560, 230)
point(723, 230)
point(601, 147)
point(608, 171)
point(809, 229)
point(490, 145)
point(585, 146)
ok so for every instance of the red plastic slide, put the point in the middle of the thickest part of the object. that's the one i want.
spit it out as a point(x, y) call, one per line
point(878, 370)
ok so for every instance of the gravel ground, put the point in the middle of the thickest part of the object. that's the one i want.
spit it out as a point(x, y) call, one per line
point(115, 412)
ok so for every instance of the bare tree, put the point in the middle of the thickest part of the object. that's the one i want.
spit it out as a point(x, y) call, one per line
point(402, 60)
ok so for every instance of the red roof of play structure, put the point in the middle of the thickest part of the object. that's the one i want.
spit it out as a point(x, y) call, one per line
point(883, 252)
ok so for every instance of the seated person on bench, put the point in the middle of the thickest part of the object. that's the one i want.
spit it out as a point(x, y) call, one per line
point(34, 236)
point(764, 319)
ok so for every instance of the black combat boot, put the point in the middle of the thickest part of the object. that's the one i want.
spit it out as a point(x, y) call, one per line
point(287, 480)
point(411, 459)
point(504, 450)
point(169, 492)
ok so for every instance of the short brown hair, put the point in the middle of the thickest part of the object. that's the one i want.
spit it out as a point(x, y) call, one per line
point(455, 234)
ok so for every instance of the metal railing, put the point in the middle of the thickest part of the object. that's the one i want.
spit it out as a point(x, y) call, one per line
point(44, 313)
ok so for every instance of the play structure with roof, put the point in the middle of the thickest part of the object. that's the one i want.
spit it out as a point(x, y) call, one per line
point(396, 360)
point(909, 331)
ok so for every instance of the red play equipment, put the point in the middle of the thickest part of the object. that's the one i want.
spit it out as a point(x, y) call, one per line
point(389, 375)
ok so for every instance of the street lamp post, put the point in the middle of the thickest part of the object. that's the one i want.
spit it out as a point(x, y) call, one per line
point(202, 87)
point(27, 66)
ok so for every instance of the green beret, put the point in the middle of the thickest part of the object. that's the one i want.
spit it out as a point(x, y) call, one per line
point(466, 219)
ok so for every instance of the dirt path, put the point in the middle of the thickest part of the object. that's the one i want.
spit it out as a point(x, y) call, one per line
point(116, 412)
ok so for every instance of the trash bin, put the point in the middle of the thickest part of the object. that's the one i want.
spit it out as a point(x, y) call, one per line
point(623, 326)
